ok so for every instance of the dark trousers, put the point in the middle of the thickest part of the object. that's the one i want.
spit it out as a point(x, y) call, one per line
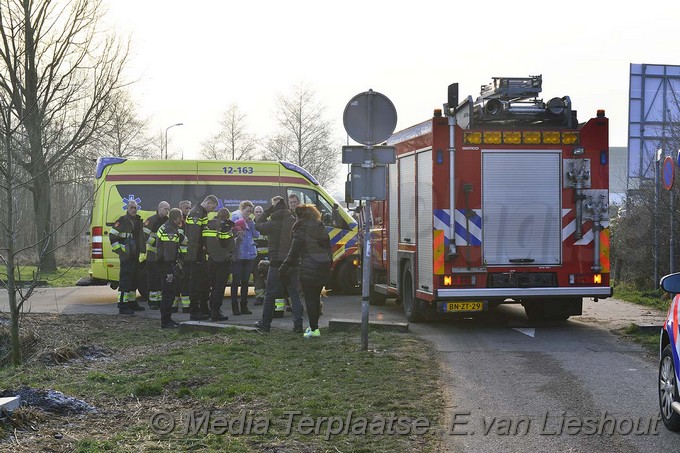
point(312, 292)
point(154, 280)
point(240, 274)
point(199, 289)
point(169, 285)
point(219, 273)
point(275, 288)
point(127, 278)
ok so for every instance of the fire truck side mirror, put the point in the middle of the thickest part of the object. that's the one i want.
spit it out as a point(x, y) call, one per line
point(348, 192)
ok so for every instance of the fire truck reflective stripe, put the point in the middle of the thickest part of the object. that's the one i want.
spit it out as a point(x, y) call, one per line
point(475, 227)
point(570, 228)
point(441, 222)
point(604, 250)
point(438, 244)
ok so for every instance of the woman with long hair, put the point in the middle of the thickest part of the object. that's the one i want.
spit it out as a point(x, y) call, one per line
point(310, 250)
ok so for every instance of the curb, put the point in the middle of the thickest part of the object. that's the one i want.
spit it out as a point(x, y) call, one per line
point(345, 325)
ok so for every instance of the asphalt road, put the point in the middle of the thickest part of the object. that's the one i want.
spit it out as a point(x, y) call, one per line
point(513, 386)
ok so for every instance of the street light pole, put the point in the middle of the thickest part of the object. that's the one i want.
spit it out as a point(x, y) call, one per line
point(166, 139)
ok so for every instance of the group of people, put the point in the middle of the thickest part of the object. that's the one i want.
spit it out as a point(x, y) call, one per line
point(189, 259)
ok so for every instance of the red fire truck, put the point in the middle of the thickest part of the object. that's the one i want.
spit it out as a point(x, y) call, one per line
point(502, 199)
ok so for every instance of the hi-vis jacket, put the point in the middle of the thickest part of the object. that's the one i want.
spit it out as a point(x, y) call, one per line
point(196, 222)
point(151, 226)
point(169, 242)
point(127, 239)
point(219, 240)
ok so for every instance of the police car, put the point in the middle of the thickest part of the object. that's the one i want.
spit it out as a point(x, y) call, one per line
point(669, 363)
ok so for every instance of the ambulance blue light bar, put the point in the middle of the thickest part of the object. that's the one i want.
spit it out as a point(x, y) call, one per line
point(302, 171)
point(104, 162)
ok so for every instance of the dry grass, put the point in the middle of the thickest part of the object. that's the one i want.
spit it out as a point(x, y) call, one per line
point(129, 369)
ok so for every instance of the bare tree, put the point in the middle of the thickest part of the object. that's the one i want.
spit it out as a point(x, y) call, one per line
point(125, 134)
point(14, 182)
point(304, 138)
point(58, 74)
point(233, 141)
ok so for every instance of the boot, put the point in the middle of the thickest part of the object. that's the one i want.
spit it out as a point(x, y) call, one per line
point(218, 316)
point(134, 305)
point(124, 309)
point(244, 309)
point(235, 309)
point(198, 317)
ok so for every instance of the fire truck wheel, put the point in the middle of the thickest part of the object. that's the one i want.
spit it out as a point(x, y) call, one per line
point(412, 306)
point(347, 279)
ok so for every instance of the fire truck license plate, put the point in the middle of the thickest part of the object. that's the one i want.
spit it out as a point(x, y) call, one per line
point(465, 306)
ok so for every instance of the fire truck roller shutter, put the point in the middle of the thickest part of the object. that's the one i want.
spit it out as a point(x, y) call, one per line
point(393, 215)
point(521, 207)
point(425, 213)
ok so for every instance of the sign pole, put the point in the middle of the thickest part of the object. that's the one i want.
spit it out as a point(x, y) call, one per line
point(366, 276)
point(369, 118)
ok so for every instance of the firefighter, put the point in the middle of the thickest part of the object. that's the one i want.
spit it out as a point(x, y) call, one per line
point(195, 259)
point(127, 240)
point(151, 226)
point(169, 260)
point(183, 286)
point(220, 245)
point(262, 251)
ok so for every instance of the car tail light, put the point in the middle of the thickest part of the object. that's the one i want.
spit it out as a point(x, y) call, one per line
point(97, 246)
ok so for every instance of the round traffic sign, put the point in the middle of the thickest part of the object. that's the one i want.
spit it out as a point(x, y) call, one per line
point(668, 173)
point(369, 118)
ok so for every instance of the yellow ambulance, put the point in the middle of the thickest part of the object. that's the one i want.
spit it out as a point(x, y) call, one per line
point(149, 182)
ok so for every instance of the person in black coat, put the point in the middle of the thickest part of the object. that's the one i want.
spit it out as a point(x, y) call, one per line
point(277, 222)
point(310, 252)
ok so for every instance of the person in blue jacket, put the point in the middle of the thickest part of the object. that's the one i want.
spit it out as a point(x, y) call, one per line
point(244, 255)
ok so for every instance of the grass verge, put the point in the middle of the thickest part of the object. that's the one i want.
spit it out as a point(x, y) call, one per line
point(652, 298)
point(242, 379)
point(649, 339)
point(62, 277)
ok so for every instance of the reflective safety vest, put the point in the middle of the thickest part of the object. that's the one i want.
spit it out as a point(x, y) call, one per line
point(262, 244)
point(219, 240)
point(151, 226)
point(169, 241)
point(196, 222)
point(126, 236)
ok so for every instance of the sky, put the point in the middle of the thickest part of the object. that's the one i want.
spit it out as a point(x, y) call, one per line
point(191, 60)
